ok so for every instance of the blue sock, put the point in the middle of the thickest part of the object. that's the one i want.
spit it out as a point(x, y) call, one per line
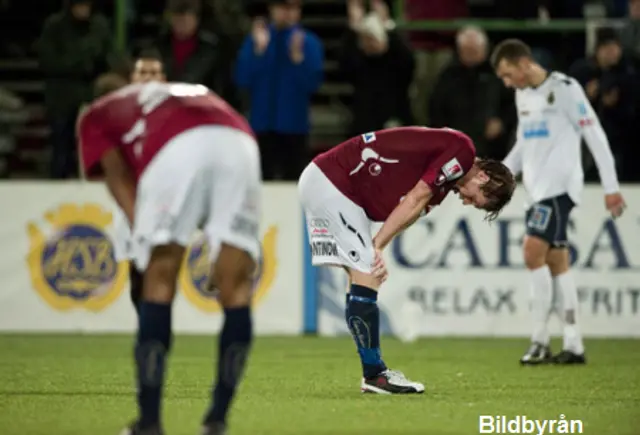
point(152, 347)
point(363, 319)
point(233, 352)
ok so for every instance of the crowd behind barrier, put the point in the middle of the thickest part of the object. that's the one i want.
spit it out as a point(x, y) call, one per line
point(289, 64)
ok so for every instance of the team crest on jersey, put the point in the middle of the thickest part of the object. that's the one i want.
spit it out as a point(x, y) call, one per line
point(195, 272)
point(369, 137)
point(551, 98)
point(452, 170)
point(71, 259)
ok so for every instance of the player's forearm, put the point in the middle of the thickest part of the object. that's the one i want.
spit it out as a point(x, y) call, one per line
point(598, 145)
point(405, 214)
point(123, 190)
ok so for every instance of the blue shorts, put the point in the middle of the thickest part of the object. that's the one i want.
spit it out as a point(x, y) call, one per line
point(549, 219)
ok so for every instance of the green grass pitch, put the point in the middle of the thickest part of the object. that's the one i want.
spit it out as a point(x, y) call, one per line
point(83, 385)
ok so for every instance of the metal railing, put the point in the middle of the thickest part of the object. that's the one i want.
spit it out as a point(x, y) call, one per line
point(588, 26)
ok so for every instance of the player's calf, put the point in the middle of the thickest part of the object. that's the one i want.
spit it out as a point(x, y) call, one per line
point(233, 274)
point(535, 253)
point(154, 334)
point(363, 319)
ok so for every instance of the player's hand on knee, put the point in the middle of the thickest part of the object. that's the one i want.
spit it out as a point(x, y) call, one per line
point(379, 269)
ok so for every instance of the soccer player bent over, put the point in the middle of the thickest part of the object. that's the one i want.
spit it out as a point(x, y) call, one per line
point(391, 176)
point(176, 159)
point(554, 114)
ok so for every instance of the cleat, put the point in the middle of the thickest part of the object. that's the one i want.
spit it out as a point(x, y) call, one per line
point(134, 429)
point(391, 382)
point(536, 354)
point(214, 429)
point(566, 357)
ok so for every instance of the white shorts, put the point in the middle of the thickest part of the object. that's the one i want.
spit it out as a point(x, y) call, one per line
point(339, 230)
point(206, 178)
point(121, 236)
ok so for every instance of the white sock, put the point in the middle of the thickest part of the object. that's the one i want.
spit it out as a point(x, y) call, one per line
point(541, 300)
point(572, 339)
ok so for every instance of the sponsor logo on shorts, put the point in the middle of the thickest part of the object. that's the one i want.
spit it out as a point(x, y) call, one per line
point(324, 249)
point(195, 282)
point(540, 217)
point(71, 259)
point(319, 227)
point(354, 256)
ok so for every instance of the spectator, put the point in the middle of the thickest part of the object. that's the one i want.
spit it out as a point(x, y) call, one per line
point(12, 113)
point(369, 46)
point(432, 50)
point(610, 84)
point(148, 67)
point(74, 49)
point(281, 65)
point(630, 33)
point(192, 54)
point(468, 97)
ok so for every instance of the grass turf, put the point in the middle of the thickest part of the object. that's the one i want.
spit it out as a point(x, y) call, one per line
point(79, 385)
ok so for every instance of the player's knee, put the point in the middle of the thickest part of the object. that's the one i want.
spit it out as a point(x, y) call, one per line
point(364, 279)
point(535, 252)
point(232, 275)
point(159, 282)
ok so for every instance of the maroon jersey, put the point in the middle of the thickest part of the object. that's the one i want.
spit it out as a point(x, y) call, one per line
point(140, 119)
point(376, 170)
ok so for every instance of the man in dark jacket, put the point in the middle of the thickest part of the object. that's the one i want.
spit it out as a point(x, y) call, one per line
point(192, 54)
point(280, 65)
point(74, 49)
point(468, 97)
point(610, 82)
point(381, 92)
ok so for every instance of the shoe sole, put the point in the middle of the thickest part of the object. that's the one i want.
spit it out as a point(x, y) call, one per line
point(370, 389)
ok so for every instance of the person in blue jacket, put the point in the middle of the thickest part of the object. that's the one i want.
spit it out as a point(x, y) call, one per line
point(280, 65)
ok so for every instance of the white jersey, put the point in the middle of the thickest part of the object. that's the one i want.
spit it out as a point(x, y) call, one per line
point(552, 120)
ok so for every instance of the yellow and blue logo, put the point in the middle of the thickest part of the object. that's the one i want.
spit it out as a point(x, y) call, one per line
point(73, 265)
point(195, 271)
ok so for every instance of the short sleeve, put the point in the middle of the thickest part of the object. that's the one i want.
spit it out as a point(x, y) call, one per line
point(455, 160)
point(94, 143)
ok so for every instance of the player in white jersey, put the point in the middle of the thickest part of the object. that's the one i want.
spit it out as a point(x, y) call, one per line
point(554, 115)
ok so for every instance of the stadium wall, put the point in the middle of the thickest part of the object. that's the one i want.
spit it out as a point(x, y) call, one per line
point(450, 274)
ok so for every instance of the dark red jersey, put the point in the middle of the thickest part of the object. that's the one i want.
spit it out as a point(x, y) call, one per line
point(376, 170)
point(141, 118)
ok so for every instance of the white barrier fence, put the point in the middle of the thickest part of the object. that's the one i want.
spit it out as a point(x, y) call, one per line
point(450, 274)
point(453, 274)
point(59, 272)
